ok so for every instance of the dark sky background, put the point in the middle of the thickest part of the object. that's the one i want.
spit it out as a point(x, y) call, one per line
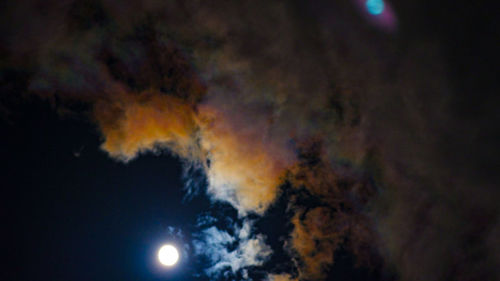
point(71, 212)
point(86, 217)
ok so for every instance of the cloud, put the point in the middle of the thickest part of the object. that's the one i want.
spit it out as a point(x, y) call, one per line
point(133, 124)
point(280, 277)
point(231, 252)
point(366, 129)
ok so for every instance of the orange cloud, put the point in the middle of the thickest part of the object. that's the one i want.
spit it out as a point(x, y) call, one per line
point(132, 124)
point(242, 167)
point(281, 277)
point(314, 241)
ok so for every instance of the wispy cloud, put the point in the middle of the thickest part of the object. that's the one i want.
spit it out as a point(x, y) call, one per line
point(231, 253)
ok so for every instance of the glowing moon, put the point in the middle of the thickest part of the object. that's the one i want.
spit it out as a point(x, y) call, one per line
point(168, 255)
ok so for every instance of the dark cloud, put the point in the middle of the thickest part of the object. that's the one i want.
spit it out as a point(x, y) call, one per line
point(386, 136)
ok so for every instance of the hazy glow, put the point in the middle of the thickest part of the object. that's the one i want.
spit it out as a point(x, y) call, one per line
point(168, 255)
point(375, 7)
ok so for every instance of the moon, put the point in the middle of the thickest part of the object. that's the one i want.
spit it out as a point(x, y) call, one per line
point(168, 255)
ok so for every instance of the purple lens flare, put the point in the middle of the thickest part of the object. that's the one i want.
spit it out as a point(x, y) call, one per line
point(379, 13)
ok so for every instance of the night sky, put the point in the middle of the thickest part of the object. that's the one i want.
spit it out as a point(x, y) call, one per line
point(266, 140)
point(101, 219)
point(94, 216)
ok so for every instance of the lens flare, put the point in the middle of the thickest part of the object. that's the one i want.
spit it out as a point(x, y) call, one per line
point(378, 13)
point(375, 7)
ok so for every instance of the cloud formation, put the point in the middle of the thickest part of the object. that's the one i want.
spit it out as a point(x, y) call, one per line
point(258, 95)
point(247, 249)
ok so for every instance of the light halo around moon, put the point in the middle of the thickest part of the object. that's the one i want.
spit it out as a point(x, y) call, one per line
point(168, 255)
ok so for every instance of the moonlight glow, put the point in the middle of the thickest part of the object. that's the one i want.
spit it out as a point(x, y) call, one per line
point(168, 255)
